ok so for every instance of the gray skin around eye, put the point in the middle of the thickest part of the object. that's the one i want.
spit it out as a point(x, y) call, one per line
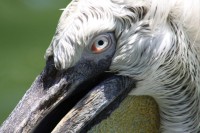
point(96, 57)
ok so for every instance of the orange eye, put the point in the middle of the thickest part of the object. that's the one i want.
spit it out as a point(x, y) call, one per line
point(100, 44)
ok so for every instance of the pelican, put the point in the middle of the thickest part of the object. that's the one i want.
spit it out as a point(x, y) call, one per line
point(107, 53)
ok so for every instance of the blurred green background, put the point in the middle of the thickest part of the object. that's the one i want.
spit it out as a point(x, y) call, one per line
point(26, 30)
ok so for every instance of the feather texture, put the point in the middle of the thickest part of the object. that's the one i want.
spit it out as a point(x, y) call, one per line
point(158, 44)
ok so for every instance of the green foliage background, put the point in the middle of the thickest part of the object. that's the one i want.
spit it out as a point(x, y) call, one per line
point(26, 30)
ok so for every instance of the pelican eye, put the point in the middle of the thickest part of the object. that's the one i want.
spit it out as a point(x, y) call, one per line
point(100, 44)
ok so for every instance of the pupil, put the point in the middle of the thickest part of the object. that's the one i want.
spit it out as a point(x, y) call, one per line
point(100, 42)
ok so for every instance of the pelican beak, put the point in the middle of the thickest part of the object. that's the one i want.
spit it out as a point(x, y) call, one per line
point(71, 100)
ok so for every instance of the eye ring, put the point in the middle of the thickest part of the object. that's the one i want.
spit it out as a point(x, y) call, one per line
point(100, 44)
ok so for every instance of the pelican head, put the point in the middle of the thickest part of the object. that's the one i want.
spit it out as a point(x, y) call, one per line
point(105, 50)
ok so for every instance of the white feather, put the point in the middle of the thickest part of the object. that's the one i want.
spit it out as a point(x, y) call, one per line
point(158, 44)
